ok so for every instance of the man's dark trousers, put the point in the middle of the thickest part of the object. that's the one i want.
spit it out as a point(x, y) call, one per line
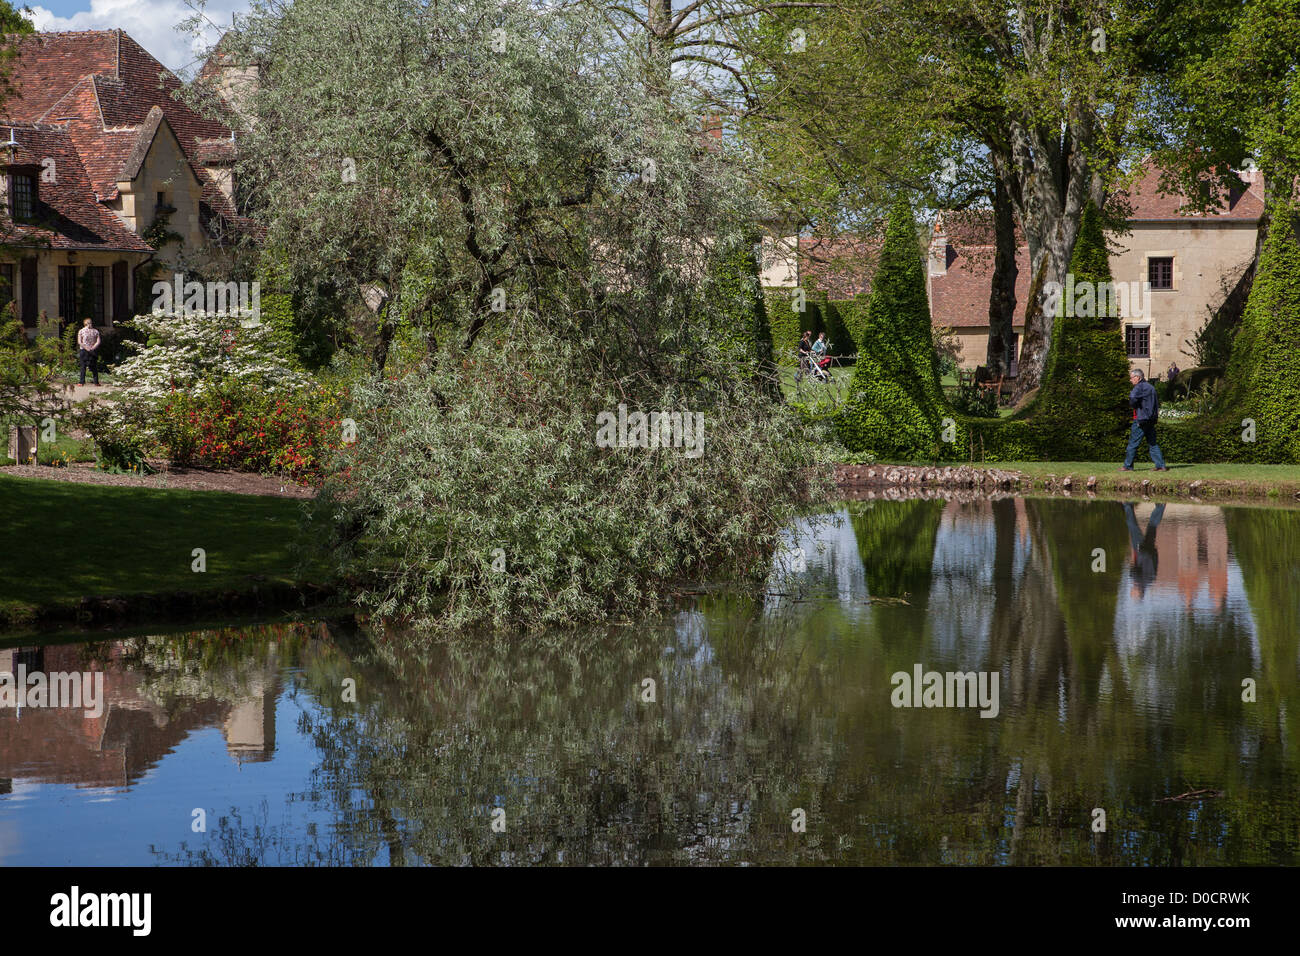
point(91, 359)
point(1140, 430)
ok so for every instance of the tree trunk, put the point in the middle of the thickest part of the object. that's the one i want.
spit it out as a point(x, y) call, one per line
point(1055, 184)
point(1002, 296)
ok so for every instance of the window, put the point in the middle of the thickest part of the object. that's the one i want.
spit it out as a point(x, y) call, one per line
point(22, 197)
point(98, 303)
point(68, 293)
point(1137, 341)
point(1160, 272)
point(6, 284)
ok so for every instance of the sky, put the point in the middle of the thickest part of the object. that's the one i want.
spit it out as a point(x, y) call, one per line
point(151, 23)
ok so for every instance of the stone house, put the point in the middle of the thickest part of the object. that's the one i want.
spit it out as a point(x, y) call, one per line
point(109, 180)
point(1182, 269)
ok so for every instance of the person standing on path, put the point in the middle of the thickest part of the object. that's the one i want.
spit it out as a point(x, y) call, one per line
point(88, 350)
point(1146, 409)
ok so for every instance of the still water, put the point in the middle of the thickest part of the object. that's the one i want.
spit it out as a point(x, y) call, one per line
point(744, 728)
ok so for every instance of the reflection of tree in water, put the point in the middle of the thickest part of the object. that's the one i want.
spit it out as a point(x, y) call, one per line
point(226, 665)
point(231, 841)
point(759, 713)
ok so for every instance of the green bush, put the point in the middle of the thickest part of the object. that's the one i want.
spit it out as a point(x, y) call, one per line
point(244, 428)
point(1262, 380)
point(122, 433)
point(506, 507)
point(785, 325)
point(1191, 380)
point(896, 406)
point(741, 317)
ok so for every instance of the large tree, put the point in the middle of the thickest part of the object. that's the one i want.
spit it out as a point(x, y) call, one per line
point(463, 168)
point(1053, 98)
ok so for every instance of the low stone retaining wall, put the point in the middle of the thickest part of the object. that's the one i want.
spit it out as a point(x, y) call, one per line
point(919, 476)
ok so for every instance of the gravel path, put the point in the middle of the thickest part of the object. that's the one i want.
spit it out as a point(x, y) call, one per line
point(189, 479)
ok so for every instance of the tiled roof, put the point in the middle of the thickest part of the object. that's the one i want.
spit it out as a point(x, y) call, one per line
point(1149, 204)
point(104, 86)
point(960, 297)
point(840, 267)
point(68, 216)
point(970, 227)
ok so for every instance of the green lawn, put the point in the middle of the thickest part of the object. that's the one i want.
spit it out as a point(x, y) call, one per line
point(1244, 479)
point(65, 540)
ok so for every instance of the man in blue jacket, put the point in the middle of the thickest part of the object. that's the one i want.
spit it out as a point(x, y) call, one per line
point(1146, 409)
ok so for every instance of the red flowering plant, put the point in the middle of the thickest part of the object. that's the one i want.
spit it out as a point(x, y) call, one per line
point(245, 428)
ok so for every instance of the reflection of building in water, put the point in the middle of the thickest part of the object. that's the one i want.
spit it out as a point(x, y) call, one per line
point(134, 731)
point(250, 726)
point(1192, 545)
point(1196, 584)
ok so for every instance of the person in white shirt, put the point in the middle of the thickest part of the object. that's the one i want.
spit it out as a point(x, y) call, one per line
point(88, 350)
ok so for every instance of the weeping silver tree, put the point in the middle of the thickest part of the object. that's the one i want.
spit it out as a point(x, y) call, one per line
point(556, 234)
point(464, 163)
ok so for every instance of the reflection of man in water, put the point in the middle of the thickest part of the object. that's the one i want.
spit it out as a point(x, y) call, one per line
point(1145, 558)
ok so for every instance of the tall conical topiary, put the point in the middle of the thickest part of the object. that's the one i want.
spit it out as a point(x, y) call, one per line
point(1082, 407)
point(1263, 376)
point(896, 407)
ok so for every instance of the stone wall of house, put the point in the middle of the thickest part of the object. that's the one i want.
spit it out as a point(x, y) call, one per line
point(1208, 260)
point(165, 170)
point(47, 282)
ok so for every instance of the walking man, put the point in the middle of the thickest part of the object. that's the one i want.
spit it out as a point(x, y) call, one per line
point(1146, 409)
point(88, 350)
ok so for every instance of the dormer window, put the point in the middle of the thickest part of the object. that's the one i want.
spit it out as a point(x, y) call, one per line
point(22, 197)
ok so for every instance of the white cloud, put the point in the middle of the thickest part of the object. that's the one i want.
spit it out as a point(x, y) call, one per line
point(151, 23)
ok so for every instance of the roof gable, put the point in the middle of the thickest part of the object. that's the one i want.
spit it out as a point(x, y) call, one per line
point(71, 218)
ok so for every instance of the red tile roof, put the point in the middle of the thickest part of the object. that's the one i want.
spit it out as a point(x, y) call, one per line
point(104, 87)
point(960, 297)
point(68, 216)
point(841, 267)
point(1149, 204)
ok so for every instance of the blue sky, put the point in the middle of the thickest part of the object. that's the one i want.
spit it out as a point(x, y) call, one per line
point(152, 23)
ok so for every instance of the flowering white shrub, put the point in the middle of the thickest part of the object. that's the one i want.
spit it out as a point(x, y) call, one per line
point(199, 352)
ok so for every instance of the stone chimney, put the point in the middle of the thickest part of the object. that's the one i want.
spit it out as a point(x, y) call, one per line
point(938, 249)
point(711, 132)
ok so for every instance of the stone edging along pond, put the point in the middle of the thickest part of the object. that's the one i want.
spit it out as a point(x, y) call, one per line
point(991, 480)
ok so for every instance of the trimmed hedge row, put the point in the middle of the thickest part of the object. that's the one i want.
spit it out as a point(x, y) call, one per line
point(1263, 376)
point(743, 325)
point(843, 321)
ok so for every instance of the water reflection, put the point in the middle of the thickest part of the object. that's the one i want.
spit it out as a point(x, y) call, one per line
point(693, 738)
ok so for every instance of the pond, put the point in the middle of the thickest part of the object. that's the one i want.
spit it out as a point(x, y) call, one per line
point(1131, 676)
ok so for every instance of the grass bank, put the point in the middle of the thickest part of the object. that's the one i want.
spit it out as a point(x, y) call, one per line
point(1183, 480)
point(1273, 481)
point(72, 548)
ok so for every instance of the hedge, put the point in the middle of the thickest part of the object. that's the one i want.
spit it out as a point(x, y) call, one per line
point(1263, 376)
point(896, 406)
point(742, 321)
point(784, 323)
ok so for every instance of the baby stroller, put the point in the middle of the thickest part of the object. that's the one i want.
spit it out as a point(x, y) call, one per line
point(819, 365)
